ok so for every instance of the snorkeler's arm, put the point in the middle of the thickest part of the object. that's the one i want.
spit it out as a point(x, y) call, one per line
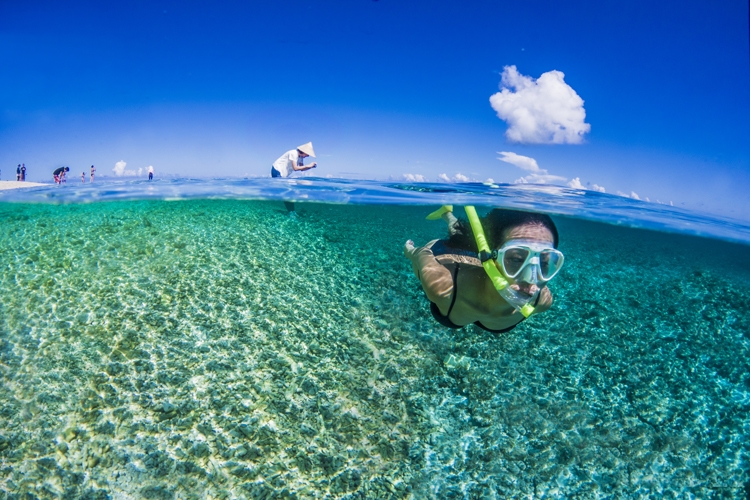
point(436, 280)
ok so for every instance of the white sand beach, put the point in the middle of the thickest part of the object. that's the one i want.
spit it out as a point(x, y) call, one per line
point(17, 185)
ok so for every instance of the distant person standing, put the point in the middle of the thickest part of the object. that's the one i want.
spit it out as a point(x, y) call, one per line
point(92, 173)
point(59, 174)
point(150, 172)
point(83, 177)
point(290, 162)
point(18, 173)
point(23, 172)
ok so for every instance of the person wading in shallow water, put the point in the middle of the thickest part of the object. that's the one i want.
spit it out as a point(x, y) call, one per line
point(497, 285)
point(92, 173)
point(59, 174)
point(290, 162)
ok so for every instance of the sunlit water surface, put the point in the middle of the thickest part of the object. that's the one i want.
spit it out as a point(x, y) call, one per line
point(161, 344)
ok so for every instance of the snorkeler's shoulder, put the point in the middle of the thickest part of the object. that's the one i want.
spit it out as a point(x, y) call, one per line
point(448, 255)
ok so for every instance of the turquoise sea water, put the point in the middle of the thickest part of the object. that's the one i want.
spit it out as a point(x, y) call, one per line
point(188, 339)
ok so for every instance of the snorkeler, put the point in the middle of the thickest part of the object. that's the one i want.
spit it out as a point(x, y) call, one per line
point(491, 272)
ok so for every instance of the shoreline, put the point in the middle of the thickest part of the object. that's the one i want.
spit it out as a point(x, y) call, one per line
point(6, 185)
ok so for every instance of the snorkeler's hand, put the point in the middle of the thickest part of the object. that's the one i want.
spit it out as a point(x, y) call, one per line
point(408, 249)
point(545, 300)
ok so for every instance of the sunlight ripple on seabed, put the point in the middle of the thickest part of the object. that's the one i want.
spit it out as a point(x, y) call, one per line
point(217, 347)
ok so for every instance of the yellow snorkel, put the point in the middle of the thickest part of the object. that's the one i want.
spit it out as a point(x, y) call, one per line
point(498, 280)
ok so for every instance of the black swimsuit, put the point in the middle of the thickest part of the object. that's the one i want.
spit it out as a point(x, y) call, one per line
point(444, 319)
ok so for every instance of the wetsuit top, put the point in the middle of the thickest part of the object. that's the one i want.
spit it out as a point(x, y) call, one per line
point(439, 248)
point(58, 171)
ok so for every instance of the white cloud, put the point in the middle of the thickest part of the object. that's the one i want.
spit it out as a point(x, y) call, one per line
point(523, 162)
point(120, 171)
point(119, 168)
point(542, 111)
point(409, 178)
point(140, 171)
point(537, 176)
point(544, 178)
point(456, 178)
point(541, 175)
point(576, 183)
point(632, 195)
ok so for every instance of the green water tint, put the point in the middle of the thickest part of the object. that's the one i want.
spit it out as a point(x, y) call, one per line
point(219, 348)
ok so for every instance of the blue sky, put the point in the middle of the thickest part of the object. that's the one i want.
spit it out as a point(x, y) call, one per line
point(388, 89)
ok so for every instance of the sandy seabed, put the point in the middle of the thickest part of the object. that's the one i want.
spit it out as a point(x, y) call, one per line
point(222, 349)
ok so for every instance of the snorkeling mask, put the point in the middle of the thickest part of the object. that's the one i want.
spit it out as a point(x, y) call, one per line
point(529, 261)
point(521, 260)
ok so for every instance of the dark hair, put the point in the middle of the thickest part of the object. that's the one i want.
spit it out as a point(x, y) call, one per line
point(495, 223)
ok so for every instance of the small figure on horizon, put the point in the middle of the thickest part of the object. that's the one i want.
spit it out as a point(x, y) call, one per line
point(83, 177)
point(150, 172)
point(92, 173)
point(23, 172)
point(290, 162)
point(18, 173)
point(59, 174)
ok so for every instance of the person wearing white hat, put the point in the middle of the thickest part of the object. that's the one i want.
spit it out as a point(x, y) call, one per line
point(291, 161)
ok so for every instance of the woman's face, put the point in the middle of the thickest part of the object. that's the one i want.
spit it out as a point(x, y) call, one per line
point(534, 232)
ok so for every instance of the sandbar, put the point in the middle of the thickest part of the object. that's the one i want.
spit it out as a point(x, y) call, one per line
point(4, 185)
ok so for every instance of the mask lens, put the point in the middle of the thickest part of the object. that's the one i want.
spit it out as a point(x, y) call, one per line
point(550, 262)
point(513, 260)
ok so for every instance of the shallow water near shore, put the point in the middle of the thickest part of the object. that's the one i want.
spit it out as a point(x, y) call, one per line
point(219, 348)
